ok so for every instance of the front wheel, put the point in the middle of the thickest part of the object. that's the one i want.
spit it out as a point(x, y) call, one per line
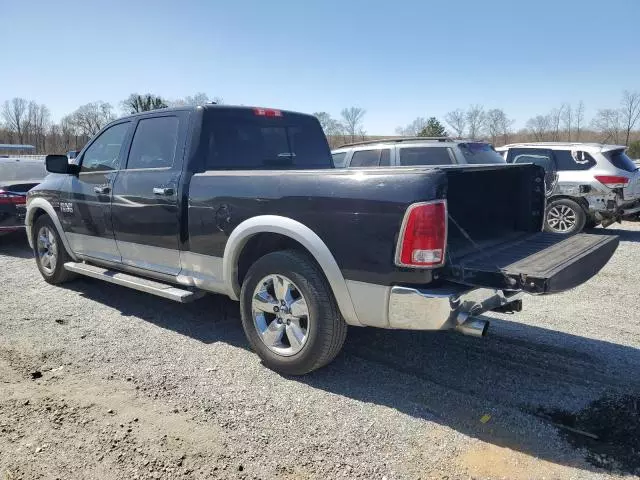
point(289, 314)
point(50, 252)
point(564, 216)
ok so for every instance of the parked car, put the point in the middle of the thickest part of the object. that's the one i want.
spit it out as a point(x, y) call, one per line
point(17, 176)
point(594, 184)
point(245, 202)
point(414, 151)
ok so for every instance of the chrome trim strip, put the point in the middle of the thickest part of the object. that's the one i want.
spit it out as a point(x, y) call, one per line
point(94, 247)
point(202, 271)
point(371, 303)
point(148, 257)
point(298, 232)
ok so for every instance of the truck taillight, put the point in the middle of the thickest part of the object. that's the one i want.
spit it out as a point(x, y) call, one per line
point(10, 198)
point(267, 112)
point(423, 236)
point(613, 181)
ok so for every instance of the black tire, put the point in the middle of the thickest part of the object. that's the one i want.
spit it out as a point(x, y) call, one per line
point(326, 329)
point(57, 274)
point(574, 211)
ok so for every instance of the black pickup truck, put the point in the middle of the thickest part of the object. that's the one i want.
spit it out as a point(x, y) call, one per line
point(245, 202)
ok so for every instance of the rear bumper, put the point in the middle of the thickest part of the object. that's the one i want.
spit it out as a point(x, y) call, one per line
point(442, 308)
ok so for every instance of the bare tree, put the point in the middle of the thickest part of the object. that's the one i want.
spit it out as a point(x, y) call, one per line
point(608, 121)
point(457, 120)
point(579, 118)
point(567, 119)
point(90, 118)
point(352, 121)
point(539, 126)
point(414, 128)
point(555, 116)
point(475, 118)
point(498, 125)
point(14, 112)
point(329, 124)
point(630, 112)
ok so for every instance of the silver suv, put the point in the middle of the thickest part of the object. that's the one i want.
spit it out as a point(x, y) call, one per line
point(588, 184)
point(415, 151)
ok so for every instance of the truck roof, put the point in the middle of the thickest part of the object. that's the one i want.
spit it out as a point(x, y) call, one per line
point(213, 106)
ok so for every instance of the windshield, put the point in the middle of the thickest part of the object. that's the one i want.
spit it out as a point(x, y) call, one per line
point(619, 159)
point(480, 153)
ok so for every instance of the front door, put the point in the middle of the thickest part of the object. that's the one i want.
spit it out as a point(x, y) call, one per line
point(87, 209)
point(145, 208)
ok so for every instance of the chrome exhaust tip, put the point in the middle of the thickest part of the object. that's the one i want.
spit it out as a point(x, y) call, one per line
point(474, 327)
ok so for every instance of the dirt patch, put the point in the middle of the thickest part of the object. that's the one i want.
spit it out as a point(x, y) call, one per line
point(608, 428)
point(494, 462)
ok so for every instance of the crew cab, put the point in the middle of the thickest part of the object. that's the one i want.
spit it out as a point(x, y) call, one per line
point(245, 202)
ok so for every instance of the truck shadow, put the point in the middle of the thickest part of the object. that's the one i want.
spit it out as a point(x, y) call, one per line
point(15, 245)
point(625, 235)
point(514, 374)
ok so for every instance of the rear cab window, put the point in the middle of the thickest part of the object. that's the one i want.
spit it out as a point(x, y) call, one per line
point(619, 159)
point(479, 153)
point(413, 156)
point(257, 139)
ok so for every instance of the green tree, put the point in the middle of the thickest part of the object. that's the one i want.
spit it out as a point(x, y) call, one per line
point(433, 129)
point(143, 103)
point(634, 149)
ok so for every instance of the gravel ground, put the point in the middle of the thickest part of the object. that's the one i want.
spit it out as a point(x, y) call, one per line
point(97, 381)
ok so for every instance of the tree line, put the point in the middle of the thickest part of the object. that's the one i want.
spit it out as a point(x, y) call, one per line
point(28, 122)
point(23, 121)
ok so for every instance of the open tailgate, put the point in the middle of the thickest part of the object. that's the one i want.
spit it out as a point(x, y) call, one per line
point(539, 263)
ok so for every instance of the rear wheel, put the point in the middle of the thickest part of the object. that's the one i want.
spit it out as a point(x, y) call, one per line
point(289, 313)
point(564, 216)
point(50, 252)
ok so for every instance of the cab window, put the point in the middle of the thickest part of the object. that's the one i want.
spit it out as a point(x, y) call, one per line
point(104, 153)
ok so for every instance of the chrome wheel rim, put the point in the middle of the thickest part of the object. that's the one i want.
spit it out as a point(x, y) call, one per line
point(47, 249)
point(280, 315)
point(561, 218)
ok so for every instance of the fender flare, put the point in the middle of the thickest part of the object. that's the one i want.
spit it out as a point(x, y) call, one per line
point(298, 232)
point(43, 204)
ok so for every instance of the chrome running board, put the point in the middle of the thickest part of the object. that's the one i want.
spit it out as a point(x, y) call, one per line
point(153, 287)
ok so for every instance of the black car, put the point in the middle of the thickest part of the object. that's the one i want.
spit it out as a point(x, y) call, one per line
point(246, 202)
point(17, 177)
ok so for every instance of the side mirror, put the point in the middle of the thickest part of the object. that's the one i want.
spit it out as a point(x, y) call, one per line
point(59, 164)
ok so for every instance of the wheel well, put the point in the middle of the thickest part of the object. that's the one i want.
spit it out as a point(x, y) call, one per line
point(580, 201)
point(37, 214)
point(263, 243)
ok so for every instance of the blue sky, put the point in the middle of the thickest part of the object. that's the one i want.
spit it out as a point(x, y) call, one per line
point(397, 59)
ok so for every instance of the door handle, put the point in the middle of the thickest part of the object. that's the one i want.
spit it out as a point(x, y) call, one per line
point(102, 189)
point(162, 191)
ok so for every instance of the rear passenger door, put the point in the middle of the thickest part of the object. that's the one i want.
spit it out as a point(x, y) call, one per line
point(146, 194)
point(541, 157)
